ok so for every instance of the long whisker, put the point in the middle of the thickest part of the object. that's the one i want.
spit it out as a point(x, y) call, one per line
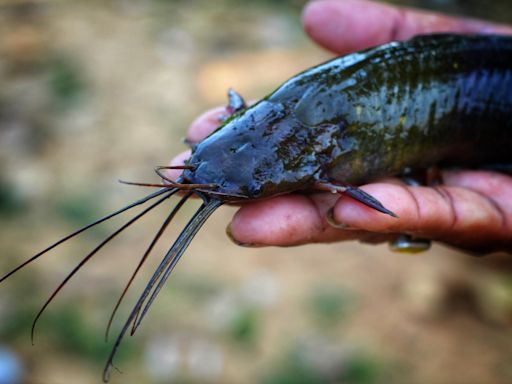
point(174, 256)
point(161, 267)
point(159, 185)
point(177, 184)
point(195, 187)
point(99, 221)
point(176, 246)
point(171, 185)
point(92, 253)
point(183, 166)
point(210, 192)
point(144, 258)
point(170, 259)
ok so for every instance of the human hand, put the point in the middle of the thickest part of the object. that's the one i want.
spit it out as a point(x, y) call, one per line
point(472, 209)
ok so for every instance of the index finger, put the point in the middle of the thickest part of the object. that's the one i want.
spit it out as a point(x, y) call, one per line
point(344, 26)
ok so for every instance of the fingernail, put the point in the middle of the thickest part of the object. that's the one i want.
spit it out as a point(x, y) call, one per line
point(333, 223)
point(232, 238)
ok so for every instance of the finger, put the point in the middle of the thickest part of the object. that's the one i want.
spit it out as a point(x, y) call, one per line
point(344, 26)
point(291, 220)
point(494, 185)
point(205, 124)
point(455, 215)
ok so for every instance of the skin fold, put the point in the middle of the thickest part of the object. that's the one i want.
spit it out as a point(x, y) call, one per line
point(470, 210)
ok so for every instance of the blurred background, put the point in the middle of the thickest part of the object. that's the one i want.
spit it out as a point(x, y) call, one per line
point(94, 91)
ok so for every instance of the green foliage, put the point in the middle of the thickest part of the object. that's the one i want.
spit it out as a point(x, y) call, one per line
point(66, 82)
point(331, 304)
point(286, 4)
point(79, 209)
point(244, 327)
point(362, 369)
point(293, 371)
point(21, 306)
point(290, 5)
point(196, 288)
point(356, 368)
point(69, 327)
point(18, 326)
point(10, 203)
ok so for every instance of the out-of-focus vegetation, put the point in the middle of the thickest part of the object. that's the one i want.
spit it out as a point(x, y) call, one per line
point(95, 91)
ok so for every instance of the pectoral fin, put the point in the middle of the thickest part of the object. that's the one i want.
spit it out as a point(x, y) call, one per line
point(357, 194)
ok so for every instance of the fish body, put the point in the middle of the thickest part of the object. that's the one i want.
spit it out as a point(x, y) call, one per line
point(443, 100)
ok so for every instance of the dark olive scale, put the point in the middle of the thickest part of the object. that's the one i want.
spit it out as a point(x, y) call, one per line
point(433, 100)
